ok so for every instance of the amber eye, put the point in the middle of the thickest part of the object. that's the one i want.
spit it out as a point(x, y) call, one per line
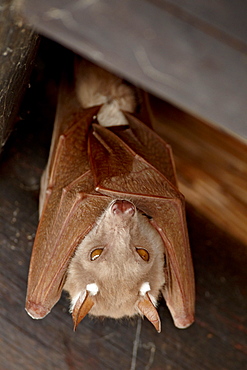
point(96, 253)
point(143, 254)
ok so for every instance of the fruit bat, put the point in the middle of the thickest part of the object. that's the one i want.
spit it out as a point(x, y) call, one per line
point(112, 229)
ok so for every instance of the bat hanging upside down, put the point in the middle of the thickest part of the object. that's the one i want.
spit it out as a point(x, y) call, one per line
point(112, 228)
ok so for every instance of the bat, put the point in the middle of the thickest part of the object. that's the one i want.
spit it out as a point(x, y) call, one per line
point(112, 229)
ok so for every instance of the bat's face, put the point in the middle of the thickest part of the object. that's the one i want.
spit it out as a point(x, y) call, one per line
point(122, 258)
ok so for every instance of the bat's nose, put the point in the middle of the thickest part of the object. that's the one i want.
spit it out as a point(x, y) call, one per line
point(121, 207)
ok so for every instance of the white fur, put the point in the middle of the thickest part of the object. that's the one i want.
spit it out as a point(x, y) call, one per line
point(95, 86)
point(92, 288)
point(145, 287)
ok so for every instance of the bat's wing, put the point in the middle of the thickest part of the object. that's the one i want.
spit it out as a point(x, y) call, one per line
point(122, 173)
point(148, 145)
point(66, 218)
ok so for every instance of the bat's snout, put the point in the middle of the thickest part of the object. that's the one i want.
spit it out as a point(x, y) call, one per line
point(123, 207)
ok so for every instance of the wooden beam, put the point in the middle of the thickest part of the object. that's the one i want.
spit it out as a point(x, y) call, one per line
point(194, 56)
point(18, 45)
point(211, 167)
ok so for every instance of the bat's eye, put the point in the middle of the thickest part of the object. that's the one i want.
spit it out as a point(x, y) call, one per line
point(143, 254)
point(96, 253)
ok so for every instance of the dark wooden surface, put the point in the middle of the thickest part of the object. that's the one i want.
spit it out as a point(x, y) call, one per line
point(217, 340)
point(192, 53)
point(18, 45)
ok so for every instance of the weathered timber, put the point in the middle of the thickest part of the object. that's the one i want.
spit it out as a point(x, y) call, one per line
point(190, 53)
point(211, 167)
point(18, 45)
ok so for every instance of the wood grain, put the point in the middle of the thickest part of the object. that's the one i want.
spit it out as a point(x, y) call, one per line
point(18, 46)
point(211, 167)
point(192, 54)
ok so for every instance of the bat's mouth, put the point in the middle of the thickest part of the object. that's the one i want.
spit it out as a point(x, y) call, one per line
point(123, 208)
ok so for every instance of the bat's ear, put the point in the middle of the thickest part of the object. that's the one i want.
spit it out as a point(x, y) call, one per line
point(81, 308)
point(147, 308)
point(83, 303)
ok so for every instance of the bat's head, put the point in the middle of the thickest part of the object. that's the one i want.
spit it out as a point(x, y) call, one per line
point(118, 268)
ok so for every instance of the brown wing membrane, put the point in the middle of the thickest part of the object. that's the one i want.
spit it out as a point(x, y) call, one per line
point(120, 172)
point(67, 217)
point(146, 143)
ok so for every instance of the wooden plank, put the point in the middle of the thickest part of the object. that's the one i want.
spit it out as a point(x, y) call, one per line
point(217, 340)
point(18, 45)
point(196, 65)
point(211, 167)
point(223, 17)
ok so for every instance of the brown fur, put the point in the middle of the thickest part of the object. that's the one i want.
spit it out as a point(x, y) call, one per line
point(119, 272)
